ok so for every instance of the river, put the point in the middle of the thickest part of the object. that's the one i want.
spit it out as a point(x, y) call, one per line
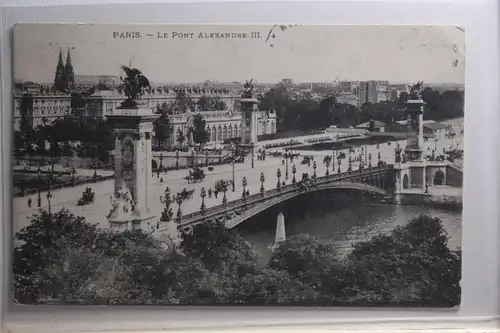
point(347, 217)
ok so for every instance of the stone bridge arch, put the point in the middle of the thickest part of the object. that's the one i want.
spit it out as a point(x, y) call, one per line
point(237, 215)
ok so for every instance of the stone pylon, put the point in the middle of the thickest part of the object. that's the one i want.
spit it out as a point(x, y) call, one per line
point(133, 127)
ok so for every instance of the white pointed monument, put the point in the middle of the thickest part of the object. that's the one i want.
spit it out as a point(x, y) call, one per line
point(280, 236)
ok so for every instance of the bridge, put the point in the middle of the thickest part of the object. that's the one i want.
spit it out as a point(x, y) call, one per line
point(378, 181)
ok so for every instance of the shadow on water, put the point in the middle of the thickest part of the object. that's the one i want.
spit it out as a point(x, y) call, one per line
point(345, 216)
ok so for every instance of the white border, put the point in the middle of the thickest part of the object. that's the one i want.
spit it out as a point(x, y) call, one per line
point(481, 232)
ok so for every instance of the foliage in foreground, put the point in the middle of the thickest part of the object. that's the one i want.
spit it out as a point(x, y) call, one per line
point(64, 259)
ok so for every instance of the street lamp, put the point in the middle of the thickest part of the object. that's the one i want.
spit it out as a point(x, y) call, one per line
point(397, 152)
point(294, 170)
point(39, 188)
point(369, 160)
point(95, 171)
point(177, 160)
point(278, 174)
point(288, 155)
point(206, 158)
point(244, 183)
point(224, 189)
point(178, 199)
point(49, 197)
point(161, 162)
point(339, 162)
point(349, 167)
point(262, 179)
point(73, 173)
point(233, 151)
point(327, 163)
point(203, 194)
point(314, 168)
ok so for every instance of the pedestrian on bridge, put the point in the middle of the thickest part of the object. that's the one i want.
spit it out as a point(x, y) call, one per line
point(29, 202)
point(210, 193)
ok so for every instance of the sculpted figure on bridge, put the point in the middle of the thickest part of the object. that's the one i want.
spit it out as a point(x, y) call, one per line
point(415, 91)
point(134, 85)
point(122, 203)
point(248, 90)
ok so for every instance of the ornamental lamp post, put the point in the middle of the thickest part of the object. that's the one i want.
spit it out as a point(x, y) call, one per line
point(379, 157)
point(339, 162)
point(49, 194)
point(244, 183)
point(73, 173)
point(161, 162)
point(369, 160)
point(94, 177)
point(39, 188)
point(294, 171)
point(206, 158)
point(349, 167)
point(178, 199)
point(203, 194)
point(262, 179)
point(177, 160)
point(314, 168)
point(224, 198)
point(278, 174)
point(233, 151)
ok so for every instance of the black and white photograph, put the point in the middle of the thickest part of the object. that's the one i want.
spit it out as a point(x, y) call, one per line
point(264, 165)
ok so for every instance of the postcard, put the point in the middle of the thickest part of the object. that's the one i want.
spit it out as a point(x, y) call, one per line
point(238, 165)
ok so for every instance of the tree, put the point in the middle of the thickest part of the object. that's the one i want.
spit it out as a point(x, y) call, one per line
point(199, 131)
point(41, 241)
point(180, 137)
point(311, 261)
point(412, 265)
point(162, 128)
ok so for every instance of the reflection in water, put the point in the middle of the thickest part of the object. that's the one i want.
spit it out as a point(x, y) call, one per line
point(345, 216)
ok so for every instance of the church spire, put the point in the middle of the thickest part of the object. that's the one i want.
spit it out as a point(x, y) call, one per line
point(69, 73)
point(59, 77)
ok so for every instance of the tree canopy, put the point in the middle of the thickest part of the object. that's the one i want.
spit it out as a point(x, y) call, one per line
point(62, 259)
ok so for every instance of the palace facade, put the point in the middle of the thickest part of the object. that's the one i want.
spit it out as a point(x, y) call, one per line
point(38, 104)
point(221, 125)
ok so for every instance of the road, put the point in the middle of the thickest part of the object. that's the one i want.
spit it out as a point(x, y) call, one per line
point(97, 211)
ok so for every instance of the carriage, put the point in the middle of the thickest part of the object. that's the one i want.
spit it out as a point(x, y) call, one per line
point(306, 160)
point(195, 175)
point(87, 197)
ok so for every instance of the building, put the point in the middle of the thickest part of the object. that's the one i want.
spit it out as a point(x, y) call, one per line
point(348, 98)
point(221, 125)
point(45, 105)
point(383, 91)
point(373, 126)
point(87, 82)
point(435, 130)
point(103, 102)
point(367, 92)
point(396, 127)
point(64, 77)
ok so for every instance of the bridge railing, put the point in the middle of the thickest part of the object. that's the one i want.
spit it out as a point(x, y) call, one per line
point(189, 218)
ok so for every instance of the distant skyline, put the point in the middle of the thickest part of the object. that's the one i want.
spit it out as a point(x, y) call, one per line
point(322, 54)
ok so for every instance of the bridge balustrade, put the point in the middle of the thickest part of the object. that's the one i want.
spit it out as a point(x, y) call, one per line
point(363, 176)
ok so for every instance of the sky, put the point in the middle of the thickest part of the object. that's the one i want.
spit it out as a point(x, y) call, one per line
point(323, 53)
